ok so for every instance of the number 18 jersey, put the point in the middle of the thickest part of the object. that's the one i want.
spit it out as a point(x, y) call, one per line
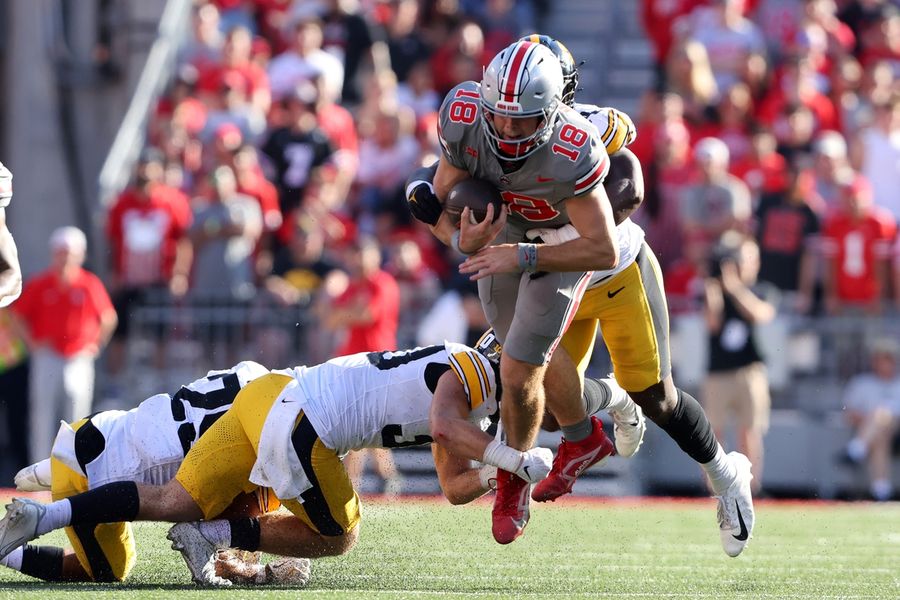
point(571, 163)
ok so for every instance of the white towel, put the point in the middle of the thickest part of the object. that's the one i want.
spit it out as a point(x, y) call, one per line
point(277, 465)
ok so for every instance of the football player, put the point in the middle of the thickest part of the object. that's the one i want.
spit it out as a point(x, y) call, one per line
point(629, 304)
point(513, 130)
point(10, 271)
point(286, 432)
point(146, 445)
point(640, 354)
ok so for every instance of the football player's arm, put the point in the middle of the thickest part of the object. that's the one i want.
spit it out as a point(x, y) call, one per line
point(10, 271)
point(597, 246)
point(459, 482)
point(624, 184)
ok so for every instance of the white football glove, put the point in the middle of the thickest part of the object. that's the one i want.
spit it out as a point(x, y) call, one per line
point(536, 464)
point(288, 571)
point(553, 236)
point(29, 478)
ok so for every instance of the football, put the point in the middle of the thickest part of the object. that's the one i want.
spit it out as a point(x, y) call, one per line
point(477, 194)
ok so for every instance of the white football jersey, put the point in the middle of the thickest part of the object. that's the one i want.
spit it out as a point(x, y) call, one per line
point(6, 190)
point(147, 444)
point(383, 399)
point(616, 132)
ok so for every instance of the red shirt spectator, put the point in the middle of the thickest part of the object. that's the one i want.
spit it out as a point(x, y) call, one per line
point(763, 170)
point(797, 85)
point(856, 241)
point(144, 227)
point(368, 310)
point(658, 17)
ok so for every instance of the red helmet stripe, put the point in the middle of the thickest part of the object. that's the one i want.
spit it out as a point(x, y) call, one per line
point(514, 71)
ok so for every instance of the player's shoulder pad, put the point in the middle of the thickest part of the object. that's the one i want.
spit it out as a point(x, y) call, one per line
point(474, 372)
point(615, 127)
point(578, 152)
point(460, 112)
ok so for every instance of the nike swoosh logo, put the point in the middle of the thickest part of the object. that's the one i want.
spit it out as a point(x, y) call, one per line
point(544, 179)
point(613, 294)
point(526, 472)
point(283, 401)
point(742, 536)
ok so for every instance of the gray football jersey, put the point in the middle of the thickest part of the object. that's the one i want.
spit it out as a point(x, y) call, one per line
point(572, 162)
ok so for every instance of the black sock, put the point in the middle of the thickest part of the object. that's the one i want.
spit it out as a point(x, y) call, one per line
point(691, 430)
point(245, 533)
point(596, 395)
point(110, 503)
point(43, 562)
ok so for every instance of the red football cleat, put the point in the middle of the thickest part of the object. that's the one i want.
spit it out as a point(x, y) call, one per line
point(510, 514)
point(573, 459)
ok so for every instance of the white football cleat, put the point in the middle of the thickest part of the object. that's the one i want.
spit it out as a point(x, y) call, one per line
point(34, 478)
point(198, 553)
point(19, 524)
point(735, 510)
point(629, 426)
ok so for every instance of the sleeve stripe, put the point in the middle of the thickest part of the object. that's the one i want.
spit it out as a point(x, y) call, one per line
point(609, 128)
point(595, 175)
point(464, 367)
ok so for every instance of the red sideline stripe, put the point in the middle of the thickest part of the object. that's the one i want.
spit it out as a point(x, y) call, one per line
point(512, 74)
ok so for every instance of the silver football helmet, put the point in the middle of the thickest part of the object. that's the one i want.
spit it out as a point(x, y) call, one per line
point(523, 80)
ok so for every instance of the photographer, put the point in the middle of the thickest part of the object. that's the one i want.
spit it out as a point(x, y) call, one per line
point(736, 390)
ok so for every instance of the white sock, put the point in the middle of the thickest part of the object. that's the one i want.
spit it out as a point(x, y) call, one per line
point(618, 398)
point(856, 449)
point(58, 515)
point(721, 471)
point(13, 560)
point(881, 490)
point(218, 532)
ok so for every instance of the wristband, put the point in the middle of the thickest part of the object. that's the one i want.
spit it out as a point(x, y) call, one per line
point(527, 255)
point(454, 243)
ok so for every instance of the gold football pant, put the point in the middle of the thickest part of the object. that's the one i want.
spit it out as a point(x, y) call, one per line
point(630, 310)
point(217, 468)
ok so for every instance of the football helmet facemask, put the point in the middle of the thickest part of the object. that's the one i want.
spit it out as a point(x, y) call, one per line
point(566, 63)
point(523, 80)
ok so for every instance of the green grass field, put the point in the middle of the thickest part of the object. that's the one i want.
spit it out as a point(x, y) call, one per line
point(630, 549)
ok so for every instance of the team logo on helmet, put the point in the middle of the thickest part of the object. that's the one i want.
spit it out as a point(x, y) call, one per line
point(523, 80)
point(566, 63)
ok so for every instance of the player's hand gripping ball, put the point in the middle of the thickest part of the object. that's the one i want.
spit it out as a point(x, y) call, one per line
point(477, 194)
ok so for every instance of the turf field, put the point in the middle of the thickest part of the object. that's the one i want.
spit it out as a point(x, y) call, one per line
point(631, 549)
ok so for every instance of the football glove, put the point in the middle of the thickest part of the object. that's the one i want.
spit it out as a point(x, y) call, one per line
point(536, 464)
point(423, 204)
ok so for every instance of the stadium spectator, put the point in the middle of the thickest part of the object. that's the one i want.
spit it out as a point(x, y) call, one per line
point(305, 58)
point(830, 168)
point(418, 286)
point(417, 91)
point(406, 44)
point(204, 47)
point(338, 124)
point(872, 404)
point(719, 201)
point(225, 230)
point(14, 388)
point(298, 150)
point(237, 64)
point(460, 58)
point(668, 176)
point(386, 157)
point(735, 45)
point(736, 389)
point(795, 131)
point(659, 18)
point(845, 85)
point(880, 40)
point(762, 169)
point(733, 118)
point(356, 41)
point(151, 254)
point(689, 75)
point(455, 315)
point(856, 244)
point(877, 155)
point(66, 318)
point(367, 314)
point(787, 229)
point(797, 85)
